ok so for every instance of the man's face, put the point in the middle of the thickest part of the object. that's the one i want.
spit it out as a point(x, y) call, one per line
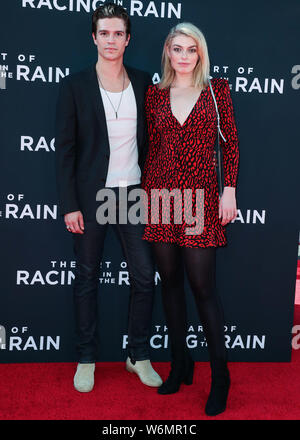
point(111, 39)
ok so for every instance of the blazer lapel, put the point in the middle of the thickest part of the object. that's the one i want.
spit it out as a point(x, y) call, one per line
point(98, 104)
point(139, 98)
point(99, 108)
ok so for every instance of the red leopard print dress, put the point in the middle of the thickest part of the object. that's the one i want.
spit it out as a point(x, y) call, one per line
point(181, 157)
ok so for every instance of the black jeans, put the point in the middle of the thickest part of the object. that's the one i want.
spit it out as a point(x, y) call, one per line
point(88, 248)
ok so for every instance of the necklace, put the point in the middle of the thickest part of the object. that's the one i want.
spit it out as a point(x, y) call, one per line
point(116, 111)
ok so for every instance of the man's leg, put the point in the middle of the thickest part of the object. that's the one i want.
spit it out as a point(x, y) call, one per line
point(140, 263)
point(138, 254)
point(88, 249)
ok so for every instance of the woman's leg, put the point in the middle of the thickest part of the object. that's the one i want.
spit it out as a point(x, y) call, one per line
point(200, 268)
point(170, 267)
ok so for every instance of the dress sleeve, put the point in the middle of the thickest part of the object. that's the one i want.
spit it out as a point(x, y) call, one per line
point(153, 132)
point(230, 147)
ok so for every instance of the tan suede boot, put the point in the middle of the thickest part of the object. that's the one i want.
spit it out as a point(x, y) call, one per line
point(84, 377)
point(145, 371)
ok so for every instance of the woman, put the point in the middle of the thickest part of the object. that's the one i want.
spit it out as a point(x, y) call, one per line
point(182, 123)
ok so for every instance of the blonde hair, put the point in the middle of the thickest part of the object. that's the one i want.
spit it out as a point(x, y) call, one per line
point(201, 71)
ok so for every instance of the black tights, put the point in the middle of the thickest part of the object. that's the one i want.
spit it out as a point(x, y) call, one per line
point(199, 264)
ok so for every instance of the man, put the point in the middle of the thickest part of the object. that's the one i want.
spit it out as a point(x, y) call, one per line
point(100, 142)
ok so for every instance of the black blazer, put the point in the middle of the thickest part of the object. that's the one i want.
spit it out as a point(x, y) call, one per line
point(81, 139)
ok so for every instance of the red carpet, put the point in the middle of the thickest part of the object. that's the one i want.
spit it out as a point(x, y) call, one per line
point(260, 391)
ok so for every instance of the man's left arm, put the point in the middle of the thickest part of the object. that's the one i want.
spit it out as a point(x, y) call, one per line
point(147, 82)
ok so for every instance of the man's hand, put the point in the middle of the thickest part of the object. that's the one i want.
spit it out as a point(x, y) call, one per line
point(74, 222)
point(227, 205)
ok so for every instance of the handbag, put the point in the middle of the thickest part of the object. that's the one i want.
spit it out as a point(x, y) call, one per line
point(217, 152)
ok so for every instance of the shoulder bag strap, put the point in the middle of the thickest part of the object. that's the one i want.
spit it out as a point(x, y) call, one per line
point(218, 166)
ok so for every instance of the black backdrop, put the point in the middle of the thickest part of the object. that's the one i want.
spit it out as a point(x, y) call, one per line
point(252, 44)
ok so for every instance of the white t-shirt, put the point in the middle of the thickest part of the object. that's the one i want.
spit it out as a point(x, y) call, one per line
point(123, 168)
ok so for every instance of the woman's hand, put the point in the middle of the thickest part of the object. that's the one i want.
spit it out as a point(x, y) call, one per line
point(227, 205)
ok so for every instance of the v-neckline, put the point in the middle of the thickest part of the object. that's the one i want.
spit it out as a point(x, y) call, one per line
point(192, 110)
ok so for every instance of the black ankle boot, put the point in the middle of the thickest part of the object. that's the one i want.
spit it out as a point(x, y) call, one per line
point(181, 372)
point(220, 384)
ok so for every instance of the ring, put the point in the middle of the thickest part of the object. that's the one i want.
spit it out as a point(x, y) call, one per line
point(68, 227)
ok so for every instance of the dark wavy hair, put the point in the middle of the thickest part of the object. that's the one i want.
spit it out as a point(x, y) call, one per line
point(110, 10)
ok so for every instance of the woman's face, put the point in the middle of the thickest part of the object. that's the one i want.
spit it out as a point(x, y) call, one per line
point(183, 54)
